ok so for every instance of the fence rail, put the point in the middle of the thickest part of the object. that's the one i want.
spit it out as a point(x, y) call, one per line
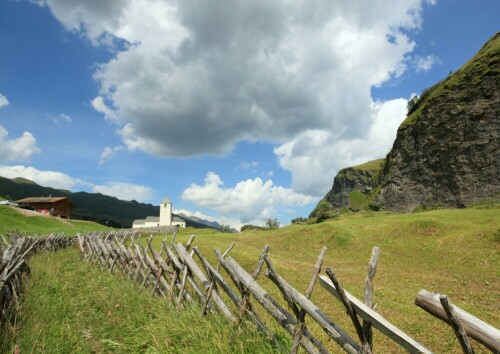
point(15, 251)
point(182, 274)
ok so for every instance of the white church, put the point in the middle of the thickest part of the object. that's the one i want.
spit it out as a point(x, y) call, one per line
point(165, 218)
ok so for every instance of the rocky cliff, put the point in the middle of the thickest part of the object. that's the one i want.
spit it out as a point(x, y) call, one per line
point(352, 185)
point(447, 151)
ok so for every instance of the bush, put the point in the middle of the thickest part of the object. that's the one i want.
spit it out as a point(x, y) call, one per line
point(300, 221)
point(272, 224)
point(375, 206)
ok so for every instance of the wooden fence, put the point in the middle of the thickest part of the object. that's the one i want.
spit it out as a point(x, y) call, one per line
point(15, 251)
point(182, 274)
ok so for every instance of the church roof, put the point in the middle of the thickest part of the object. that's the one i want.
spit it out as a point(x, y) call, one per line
point(166, 200)
point(178, 219)
point(152, 219)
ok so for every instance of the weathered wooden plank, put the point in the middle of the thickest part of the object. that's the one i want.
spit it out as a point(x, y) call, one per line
point(377, 320)
point(302, 314)
point(478, 330)
point(456, 325)
point(372, 269)
point(347, 304)
point(330, 327)
point(269, 304)
point(198, 273)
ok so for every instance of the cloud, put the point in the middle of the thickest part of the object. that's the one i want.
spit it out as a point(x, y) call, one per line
point(125, 191)
point(234, 223)
point(198, 77)
point(315, 157)
point(250, 200)
point(424, 64)
point(248, 165)
point(100, 106)
point(61, 118)
point(3, 101)
point(52, 179)
point(19, 149)
point(59, 180)
point(109, 152)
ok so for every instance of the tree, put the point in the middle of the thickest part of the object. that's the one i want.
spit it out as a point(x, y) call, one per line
point(300, 220)
point(226, 228)
point(272, 224)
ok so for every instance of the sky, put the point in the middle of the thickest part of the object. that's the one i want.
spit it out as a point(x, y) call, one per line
point(237, 110)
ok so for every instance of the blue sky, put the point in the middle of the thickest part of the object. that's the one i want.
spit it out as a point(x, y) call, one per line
point(237, 110)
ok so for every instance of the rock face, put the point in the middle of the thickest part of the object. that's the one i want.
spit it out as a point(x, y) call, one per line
point(352, 185)
point(447, 151)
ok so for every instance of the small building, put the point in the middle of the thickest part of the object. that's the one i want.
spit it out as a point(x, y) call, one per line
point(165, 219)
point(56, 206)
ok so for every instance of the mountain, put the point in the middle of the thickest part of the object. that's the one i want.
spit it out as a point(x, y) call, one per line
point(446, 152)
point(88, 206)
point(352, 185)
point(96, 207)
point(205, 223)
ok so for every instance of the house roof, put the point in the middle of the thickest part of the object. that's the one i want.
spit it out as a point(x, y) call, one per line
point(166, 201)
point(42, 200)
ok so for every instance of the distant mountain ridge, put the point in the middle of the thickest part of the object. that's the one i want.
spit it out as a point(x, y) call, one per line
point(211, 224)
point(96, 207)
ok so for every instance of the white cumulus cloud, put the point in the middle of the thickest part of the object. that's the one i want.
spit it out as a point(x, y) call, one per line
point(315, 157)
point(125, 191)
point(59, 180)
point(198, 77)
point(109, 152)
point(18, 149)
point(234, 223)
point(3, 101)
point(61, 118)
point(250, 200)
point(52, 179)
point(424, 64)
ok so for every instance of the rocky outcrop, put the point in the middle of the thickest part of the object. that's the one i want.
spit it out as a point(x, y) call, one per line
point(447, 151)
point(352, 185)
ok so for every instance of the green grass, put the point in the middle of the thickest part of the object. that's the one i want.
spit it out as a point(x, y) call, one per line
point(456, 252)
point(11, 219)
point(470, 75)
point(356, 199)
point(373, 165)
point(72, 307)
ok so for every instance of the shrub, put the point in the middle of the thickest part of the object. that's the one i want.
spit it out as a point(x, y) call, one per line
point(300, 221)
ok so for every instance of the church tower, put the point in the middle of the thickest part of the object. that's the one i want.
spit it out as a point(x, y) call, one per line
point(166, 212)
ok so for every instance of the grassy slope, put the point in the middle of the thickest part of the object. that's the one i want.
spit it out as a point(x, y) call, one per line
point(456, 252)
point(11, 219)
point(448, 251)
point(71, 307)
point(484, 62)
point(373, 165)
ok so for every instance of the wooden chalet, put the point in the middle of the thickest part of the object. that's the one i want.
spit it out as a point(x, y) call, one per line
point(56, 206)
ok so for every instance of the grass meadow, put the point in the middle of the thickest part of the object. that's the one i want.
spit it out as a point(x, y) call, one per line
point(70, 306)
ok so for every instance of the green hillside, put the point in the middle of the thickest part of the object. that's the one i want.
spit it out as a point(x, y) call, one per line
point(96, 207)
point(455, 252)
point(89, 206)
point(11, 220)
point(485, 62)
